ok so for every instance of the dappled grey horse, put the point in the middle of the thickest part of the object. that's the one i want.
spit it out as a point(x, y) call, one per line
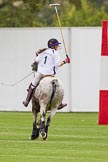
point(48, 96)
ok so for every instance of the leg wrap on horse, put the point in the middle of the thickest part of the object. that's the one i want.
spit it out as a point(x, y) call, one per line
point(42, 129)
point(35, 134)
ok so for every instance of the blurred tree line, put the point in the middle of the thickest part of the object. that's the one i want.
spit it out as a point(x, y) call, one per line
point(37, 13)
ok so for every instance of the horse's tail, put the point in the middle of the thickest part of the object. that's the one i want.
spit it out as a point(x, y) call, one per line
point(54, 85)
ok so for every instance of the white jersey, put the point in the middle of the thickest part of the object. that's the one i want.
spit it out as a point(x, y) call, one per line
point(49, 62)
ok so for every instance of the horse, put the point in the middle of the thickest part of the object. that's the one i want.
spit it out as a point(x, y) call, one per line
point(47, 97)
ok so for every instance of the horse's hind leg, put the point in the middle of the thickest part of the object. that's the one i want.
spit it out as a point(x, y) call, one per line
point(35, 130)
point(52, 113)
point(42, 120)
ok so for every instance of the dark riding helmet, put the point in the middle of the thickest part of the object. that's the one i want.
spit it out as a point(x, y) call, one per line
point(53, 42)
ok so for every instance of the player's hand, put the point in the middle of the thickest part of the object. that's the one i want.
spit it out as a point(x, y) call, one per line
point(67, 60)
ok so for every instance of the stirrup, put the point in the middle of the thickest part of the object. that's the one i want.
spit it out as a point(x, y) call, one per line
point(61, 106)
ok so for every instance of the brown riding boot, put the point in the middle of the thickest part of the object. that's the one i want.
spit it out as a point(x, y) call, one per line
point(29, 95)
point(29, 87)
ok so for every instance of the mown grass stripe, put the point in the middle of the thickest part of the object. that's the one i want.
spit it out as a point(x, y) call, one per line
point(73, 137)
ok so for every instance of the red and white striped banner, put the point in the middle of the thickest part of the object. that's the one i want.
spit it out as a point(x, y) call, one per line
point(103, 103)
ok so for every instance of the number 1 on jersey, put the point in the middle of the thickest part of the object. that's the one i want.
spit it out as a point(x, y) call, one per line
point(45, 59)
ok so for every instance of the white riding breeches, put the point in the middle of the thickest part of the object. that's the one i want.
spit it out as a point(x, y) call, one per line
point(37, 78)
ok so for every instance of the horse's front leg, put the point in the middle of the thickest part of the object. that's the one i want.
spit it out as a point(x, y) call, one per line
point(35, 130)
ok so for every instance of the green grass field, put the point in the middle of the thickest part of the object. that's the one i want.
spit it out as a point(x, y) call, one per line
point(73, 137)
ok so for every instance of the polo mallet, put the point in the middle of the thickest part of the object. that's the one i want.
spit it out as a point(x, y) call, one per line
point(58, 18)
point(5, 84)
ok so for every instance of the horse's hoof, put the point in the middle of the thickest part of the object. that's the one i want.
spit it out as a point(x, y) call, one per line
point(33, 137)
point(43, 134)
